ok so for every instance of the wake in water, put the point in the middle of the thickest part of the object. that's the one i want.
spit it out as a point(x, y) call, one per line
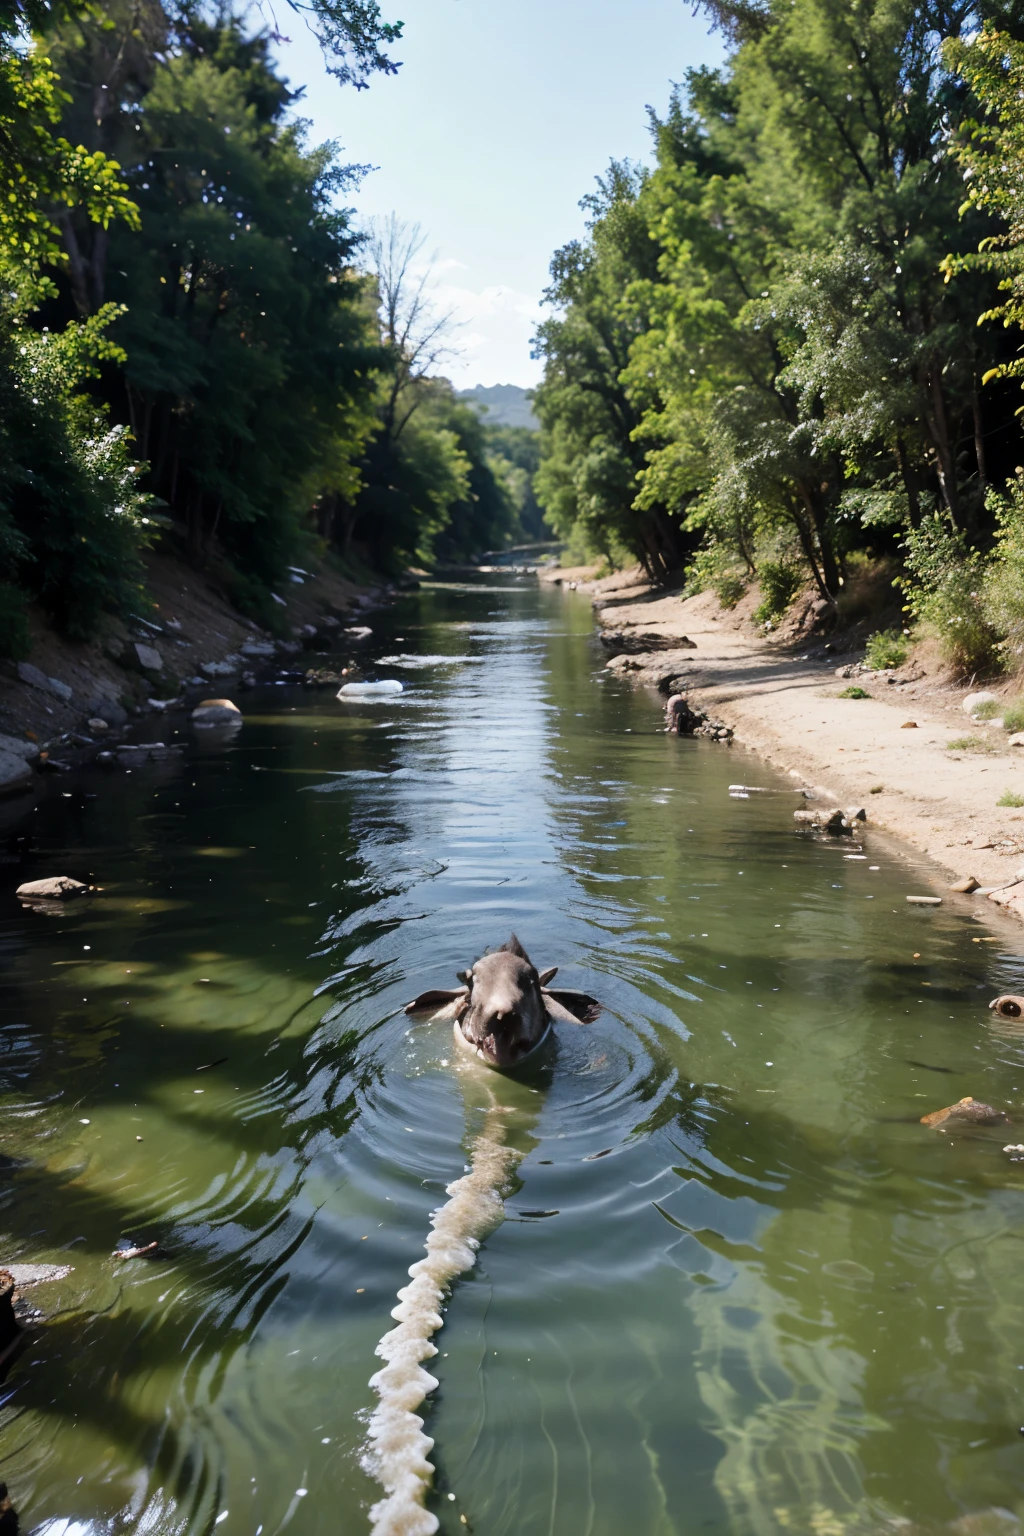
point(398, 1448)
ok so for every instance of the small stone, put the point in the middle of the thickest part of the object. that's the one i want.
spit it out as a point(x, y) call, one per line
point(358, 632)
point(824, 819)
point(966, 885)
point(216, 712)
point(909, 725)
point(925, 901)
point(97, 726)
point(258, 648)
point(229, 667)
point(57, 888)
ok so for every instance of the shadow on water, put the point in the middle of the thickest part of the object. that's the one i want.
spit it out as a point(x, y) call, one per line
point(739, 1287)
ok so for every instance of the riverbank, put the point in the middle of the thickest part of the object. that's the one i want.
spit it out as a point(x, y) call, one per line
point(889, 752)
point(193, 643)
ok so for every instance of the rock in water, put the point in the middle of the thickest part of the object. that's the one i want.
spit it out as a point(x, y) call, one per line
point(57, 888)
point(216, 712)
point(965, 1112)
point(15, 773)
point(368, 690)
point(966, 885)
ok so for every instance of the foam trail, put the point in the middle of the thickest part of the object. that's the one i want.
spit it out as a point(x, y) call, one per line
point(398, 1447)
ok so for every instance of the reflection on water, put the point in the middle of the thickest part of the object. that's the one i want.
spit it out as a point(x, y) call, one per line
point(738, 1289)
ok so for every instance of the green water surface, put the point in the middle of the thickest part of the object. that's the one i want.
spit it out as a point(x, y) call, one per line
point(739, 1287)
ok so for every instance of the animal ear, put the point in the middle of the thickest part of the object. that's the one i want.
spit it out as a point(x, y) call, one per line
point(573, 1007)
point(513, 947)
point(546, 976)
point(466, 976)
point(439, 998)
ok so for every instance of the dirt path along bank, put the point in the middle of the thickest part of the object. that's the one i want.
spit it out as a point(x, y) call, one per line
point(889, 752)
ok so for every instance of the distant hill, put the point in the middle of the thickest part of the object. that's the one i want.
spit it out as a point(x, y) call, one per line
point(504, 405)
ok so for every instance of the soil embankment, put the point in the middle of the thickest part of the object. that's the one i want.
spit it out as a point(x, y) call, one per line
point(193, 644)
point(889, 753)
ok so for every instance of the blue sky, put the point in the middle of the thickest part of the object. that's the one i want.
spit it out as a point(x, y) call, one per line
point(493, 129)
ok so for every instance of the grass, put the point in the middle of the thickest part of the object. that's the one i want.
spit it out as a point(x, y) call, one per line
point(885, 648)
point(853, 692)
point(970, 744)
point(876, 789)
point(1013, 716)
point(990, 710)
point(1010, 798)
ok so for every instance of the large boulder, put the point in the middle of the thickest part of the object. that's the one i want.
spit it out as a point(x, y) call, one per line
point(15, 773)
point(102, 708)
point(635, 642)
point(18, 748)
point(974, 701)
point(216, 712)
point(27, 673)
point(56, 888)
point(147, 657)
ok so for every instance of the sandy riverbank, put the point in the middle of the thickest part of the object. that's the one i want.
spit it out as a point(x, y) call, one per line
point(782, 701)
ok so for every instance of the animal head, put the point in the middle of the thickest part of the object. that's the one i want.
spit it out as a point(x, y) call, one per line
point(505, 1008)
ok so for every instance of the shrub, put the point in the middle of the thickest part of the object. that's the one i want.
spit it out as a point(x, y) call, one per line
point(713, 569)
point(854, 692)
point(885, 648)
point(1013, 716)
point(1009, 797)
point(729, 588)
point(15, 640)
point(1004, 583)
point(970, 744)
point(990, 710)
point(943, 583)
point(780, 581)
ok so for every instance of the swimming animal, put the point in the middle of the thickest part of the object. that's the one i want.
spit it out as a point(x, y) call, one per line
point(505, 1008)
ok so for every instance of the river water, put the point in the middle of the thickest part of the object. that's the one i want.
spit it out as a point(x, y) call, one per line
point(738, 1289)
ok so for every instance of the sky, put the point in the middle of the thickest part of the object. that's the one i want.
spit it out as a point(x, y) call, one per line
point(500, 117)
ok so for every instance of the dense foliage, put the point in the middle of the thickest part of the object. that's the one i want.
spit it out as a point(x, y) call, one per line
point(773, 348)
point(193, 333)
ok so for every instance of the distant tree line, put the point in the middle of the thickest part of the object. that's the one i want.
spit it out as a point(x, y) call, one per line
point(195, 338)
point(796, 338)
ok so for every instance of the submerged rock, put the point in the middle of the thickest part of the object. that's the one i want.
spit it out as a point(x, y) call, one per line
point(966, 885)
point(966, 1111)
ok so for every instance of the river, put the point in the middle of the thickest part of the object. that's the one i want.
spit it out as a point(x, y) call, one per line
point(739, 1288)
